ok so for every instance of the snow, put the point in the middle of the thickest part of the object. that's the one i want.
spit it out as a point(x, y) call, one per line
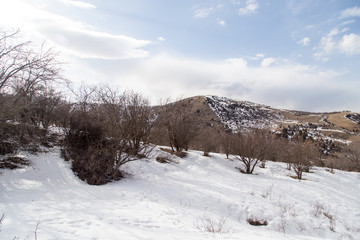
point(354, 117)
point(329, 130)
point(178, 201)
point(236, 114)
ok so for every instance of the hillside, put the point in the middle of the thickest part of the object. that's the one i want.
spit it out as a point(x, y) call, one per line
point(235, 114)
point(178, 201)
point(225, 113)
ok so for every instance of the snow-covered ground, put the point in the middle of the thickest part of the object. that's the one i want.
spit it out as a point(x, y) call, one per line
point(178, 201)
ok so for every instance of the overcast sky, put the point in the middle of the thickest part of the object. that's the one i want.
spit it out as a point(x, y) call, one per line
point(292, 54)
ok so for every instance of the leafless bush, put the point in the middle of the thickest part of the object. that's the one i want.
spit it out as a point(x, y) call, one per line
point(302, 157)
point(318, 209)
point(226, 140)
point(163, 159)
point(282, 225)
point(176, 124)
point(13, 162)
point(180, 154)
point(250, 148)
point(107, 130)
point(27, 98)
point(209, 224)
point(332, 220)
point(298, 155)
point(352, 153)
point(208, 141)
point(262, 164)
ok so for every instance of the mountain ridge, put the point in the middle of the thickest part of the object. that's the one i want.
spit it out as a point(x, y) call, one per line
point(226, 113)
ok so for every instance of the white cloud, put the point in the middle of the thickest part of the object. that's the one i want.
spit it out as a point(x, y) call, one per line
point(221, 22)
point(286, 84)
point(250, 8)
point(75, 38)
point(350, 12)
point(203, 12)
point(305, 41)
point(161, 39)
point(350, 44)
point(260, 55)
point(238, 62)
point(78, 4)
point(87, 43)
point(347, 22)
point(266, 62)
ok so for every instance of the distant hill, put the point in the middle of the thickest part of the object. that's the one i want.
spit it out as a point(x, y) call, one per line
point(225, 113)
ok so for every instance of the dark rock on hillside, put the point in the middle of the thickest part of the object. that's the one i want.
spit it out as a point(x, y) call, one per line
point(236, 114)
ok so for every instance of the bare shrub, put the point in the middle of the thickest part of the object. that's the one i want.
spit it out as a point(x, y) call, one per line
point(302, 157)
point(13, 162)
point(226, 140)
point(106, 134)
point(318, 209)
point(250, 148)
point(352, 153)
point(262, 164)
point(180, 154)
point(282, 225)
point(332, 220)
point(27, 98)
point(209, 224)
point(208, 141)
point(299, 156)
point(176, 124)
point(163, 159)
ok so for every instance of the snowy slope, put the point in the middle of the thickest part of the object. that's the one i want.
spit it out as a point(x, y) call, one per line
point(355, 117)
point(177, 201)
point(235, 114)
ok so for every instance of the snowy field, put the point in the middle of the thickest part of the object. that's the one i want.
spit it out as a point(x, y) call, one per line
point(178, 201)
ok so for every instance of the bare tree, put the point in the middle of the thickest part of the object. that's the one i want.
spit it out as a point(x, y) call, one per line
point(301, 156)
point(108, 133)
point(26, 78)
point(352, 152)
point(284, 149)
point(137, 120)
point(177, 124)
point(226, 140)
point(22, 69)
point(250, 148)
point(208, 141)
point(128, 116)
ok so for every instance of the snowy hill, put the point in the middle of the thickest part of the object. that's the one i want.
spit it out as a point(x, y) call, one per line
point(235, 114)
point(220, 112)
point(178, 201)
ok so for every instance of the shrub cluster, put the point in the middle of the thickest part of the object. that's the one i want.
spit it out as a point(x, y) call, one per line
point(105, 135)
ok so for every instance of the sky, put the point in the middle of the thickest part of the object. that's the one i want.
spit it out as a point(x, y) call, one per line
point(291, 54)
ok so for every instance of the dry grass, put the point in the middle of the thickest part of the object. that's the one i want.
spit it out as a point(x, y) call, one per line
point(304, 118)
point(340, 120)
point(180, 154)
